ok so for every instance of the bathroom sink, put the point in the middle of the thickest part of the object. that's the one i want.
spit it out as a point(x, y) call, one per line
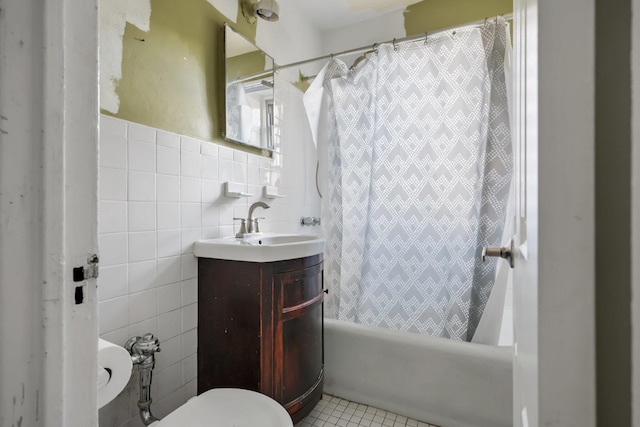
point(266, 247)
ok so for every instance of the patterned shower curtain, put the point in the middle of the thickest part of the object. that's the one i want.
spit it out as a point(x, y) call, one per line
point(420, 166)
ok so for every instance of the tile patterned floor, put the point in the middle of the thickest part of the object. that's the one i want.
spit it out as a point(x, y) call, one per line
point(333, 411)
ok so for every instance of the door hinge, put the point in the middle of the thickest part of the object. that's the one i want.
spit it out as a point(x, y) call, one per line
point(89, 271)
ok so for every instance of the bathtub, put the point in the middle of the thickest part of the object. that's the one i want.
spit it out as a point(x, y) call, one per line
point(436, 380)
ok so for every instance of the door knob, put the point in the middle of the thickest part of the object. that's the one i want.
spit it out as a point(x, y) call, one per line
point(504, 252)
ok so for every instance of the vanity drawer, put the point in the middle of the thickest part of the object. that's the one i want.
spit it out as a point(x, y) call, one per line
point(300, 287)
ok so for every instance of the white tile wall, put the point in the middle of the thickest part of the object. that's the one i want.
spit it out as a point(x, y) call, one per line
point(159, 193)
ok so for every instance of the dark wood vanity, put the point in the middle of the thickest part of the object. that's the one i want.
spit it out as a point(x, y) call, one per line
point(260, 327)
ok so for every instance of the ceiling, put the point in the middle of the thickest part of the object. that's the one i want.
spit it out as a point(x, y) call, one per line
point(329, 15)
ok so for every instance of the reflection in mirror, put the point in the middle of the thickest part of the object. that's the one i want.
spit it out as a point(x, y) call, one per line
point(249, 92)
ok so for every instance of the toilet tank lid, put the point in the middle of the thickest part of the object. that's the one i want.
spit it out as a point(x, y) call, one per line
point(229, 406)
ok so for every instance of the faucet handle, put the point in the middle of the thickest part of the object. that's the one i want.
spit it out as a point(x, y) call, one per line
point(256, 228)
point(243, 227)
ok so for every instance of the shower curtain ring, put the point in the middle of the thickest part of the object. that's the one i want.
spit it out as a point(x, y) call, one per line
point(426, 37)
point(394, 45)
point(485, 20)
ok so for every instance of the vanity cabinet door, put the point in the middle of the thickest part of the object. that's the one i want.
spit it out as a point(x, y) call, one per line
point(299, 339)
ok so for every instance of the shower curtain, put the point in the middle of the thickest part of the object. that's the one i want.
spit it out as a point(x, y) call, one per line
point(420, 166)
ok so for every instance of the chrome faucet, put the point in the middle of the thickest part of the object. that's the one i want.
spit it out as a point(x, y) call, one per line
point(252, 224)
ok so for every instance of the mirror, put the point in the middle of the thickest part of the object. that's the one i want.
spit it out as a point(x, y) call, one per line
point(248, 92)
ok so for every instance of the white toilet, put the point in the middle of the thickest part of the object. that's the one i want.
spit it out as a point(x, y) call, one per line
point(228, 407)
point(218, 407)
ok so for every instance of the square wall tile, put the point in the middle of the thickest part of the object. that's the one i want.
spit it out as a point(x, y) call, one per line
point(225, 153)
point(113, 314)
point(142, 186)
point(169, 244)
point(142, 246)
point(190, 190)
point(113, 249)
point(168, 139)
point(168, 188)
point(211, 191)
point(113, 126)
point(253, 160)
point(112, 216)
point(171, 345)
point(113, 282)
point(142, 156)
point(189, 342)
point(168, 271)
point(190, 368)
point(253, 175)
point(225, 214)
point(239, 156)
point(168, 216)
point(168, 380)
point(190, 164)
point(170, 326)
point(169, 297)
point(190, 215)
point(142, 275)
point(189, 144)
point(190, 291)
point(240, 172)
point(189, 317)
point(168, 161)
point(112, 184)
point(141, 133)
point(113, 151)
point(142, 216)
point(209, 149)
point(143, 305)
point(209, 167)
point(209, 215)
point(225, 170)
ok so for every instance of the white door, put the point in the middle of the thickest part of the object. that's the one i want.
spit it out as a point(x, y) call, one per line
point(554, 338)
point(48, 212)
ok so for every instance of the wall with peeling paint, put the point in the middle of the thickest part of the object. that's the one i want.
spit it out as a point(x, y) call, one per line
point(424, 16)
point(162, 66)
point(172, 68)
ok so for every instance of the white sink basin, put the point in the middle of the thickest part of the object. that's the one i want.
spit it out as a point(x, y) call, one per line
point(267, 247)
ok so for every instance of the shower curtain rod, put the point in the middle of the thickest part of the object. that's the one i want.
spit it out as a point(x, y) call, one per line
point(508, 17)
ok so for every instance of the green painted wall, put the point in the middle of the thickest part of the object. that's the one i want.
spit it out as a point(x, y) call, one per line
point(173, 80)
point(171, 75)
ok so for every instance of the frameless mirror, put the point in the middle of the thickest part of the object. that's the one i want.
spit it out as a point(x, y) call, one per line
point(248, 92)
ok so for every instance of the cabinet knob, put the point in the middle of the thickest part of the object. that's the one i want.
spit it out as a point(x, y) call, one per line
point(326, 291)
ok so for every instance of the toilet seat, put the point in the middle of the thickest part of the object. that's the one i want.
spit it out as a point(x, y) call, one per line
point(228, 407)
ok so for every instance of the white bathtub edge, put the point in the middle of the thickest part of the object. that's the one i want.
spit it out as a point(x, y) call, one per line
point(444, 382)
